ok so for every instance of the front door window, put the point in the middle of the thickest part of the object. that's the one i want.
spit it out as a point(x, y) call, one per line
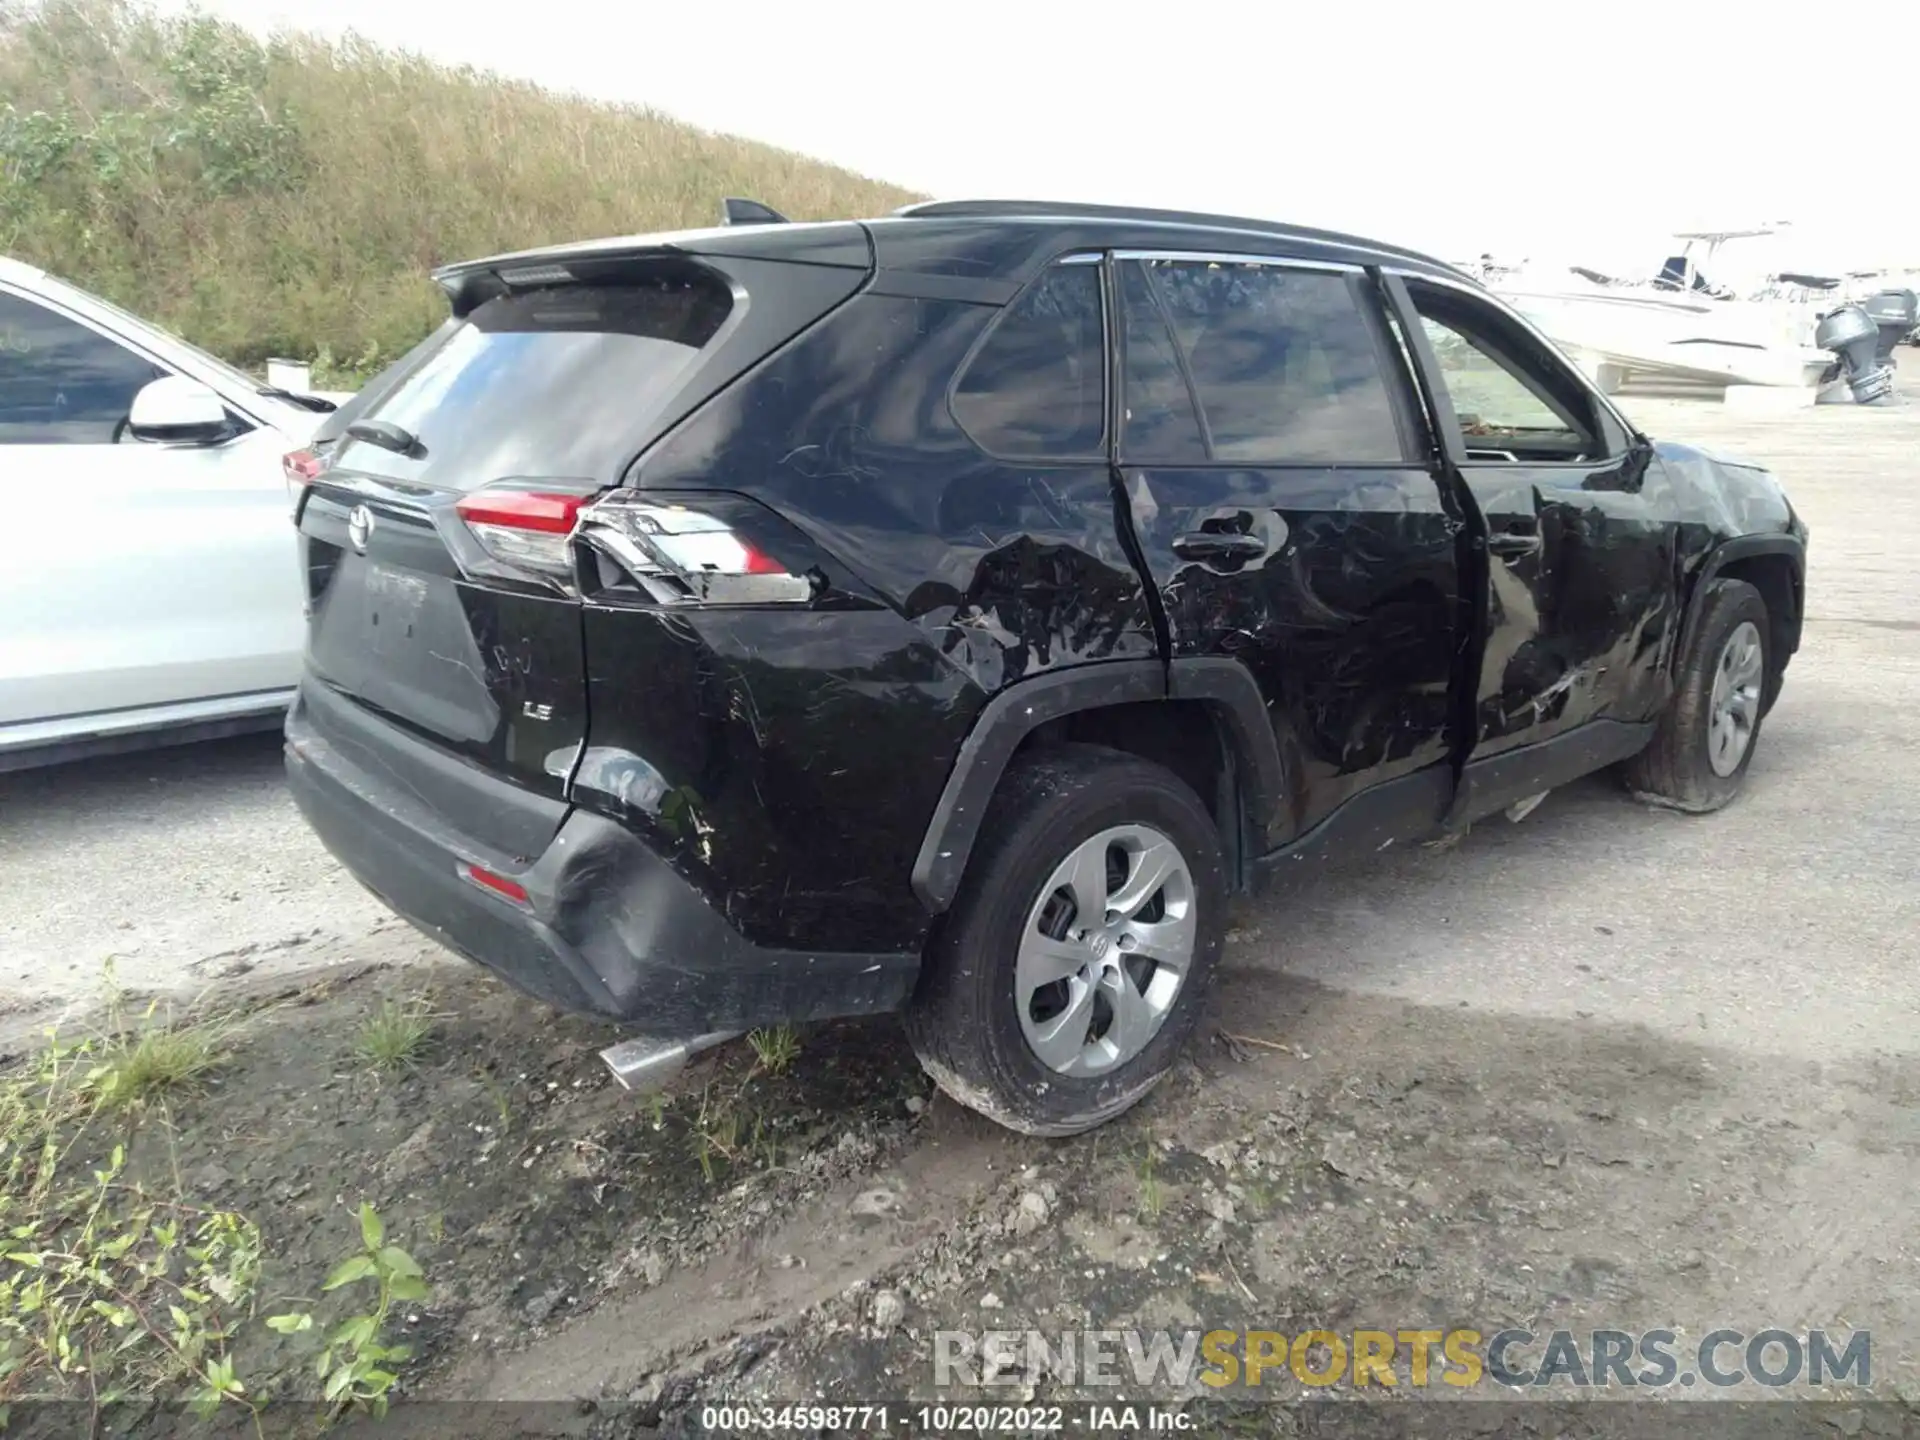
point(1505, 408)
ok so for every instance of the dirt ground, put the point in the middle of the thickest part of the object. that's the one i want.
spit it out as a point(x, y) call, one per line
point(1607, 1068)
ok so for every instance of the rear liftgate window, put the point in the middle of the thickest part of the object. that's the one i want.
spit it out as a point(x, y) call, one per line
point(550, 382)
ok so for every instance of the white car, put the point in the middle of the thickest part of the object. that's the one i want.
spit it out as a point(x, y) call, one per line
point(150, 589)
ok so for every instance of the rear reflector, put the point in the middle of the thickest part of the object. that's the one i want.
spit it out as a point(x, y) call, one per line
point(499, 884)
point(525, 528)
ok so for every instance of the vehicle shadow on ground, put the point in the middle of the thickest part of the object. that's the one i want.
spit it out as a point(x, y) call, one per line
point(109, 787)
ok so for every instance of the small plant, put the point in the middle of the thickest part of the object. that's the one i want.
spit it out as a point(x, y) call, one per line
point(356, 1367)
point(144, 1062)
point(1153, 1198)
point(763, 1146)
point(160, 1062)
point(502, 1102)
point(716, 1133)
point(775, 1048)
point(109, 1290)
point(394, 1036)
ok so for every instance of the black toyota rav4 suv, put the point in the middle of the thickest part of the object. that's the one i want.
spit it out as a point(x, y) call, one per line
point(947, 612)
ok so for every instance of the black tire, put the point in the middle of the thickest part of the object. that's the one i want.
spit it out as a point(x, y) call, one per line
point(963, 1020)
point(1675, 770)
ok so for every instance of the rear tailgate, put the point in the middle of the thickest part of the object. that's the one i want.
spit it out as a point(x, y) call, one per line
point(444, 657)
point(400, 640)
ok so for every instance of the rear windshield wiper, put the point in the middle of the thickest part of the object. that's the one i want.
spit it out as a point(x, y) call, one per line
point(387, 435)
point(319, 404)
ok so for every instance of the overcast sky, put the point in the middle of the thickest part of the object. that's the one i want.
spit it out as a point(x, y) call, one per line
point(1588, 132)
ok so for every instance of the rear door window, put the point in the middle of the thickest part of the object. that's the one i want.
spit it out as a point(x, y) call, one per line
point(62, 383)
point(550, 383)
point(1161, 423)
point(1038, 386)
point(1281, 363)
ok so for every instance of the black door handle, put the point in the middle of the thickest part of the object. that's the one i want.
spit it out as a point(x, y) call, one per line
point(1218, 545)
point(1513, 544)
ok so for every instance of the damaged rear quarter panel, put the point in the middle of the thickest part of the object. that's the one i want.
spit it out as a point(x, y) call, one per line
point(1009, 568)
point(784, 762)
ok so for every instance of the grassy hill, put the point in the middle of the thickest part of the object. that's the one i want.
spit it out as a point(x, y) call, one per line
point(286, 197)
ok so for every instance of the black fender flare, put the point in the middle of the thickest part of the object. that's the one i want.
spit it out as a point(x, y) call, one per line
point(1226, 686)
point(1743, 547)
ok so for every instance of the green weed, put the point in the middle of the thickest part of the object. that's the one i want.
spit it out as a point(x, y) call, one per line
point(1152, 1197)
point(109, 1289)
point(357, 1366)
point(395, 1036)
point(775, 1048)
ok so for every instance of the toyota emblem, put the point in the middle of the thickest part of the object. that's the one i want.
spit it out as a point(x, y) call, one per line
point(360, 526)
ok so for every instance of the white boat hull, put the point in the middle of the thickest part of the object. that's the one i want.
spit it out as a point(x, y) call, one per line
point(1618, 336)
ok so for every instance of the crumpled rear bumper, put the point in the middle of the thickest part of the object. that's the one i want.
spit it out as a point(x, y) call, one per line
point(607, 928)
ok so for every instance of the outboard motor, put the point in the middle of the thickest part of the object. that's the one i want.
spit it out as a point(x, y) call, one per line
point(1895, 312)
point(1851, 333)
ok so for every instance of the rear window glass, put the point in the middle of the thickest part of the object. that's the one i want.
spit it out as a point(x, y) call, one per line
point(369, 394)
point(1281, 360)
point(554, 383)
point(1038, 386)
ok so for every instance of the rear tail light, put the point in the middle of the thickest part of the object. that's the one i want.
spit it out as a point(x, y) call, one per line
point(689, 554)
point(301, 468)
point(526, 528)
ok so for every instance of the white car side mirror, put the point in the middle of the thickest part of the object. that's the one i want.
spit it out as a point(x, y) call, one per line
point(177, 411)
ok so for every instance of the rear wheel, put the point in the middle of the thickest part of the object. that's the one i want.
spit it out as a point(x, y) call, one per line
point(1706, 738)
point(1059, 988)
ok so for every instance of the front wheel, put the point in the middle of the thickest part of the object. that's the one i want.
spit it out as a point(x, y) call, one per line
point(1073, 965)
point(1706, 738)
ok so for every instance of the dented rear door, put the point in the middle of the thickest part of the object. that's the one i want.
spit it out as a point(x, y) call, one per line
point(1278, 481)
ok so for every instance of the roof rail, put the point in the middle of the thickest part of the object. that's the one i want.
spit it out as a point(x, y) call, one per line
point(735, 211)
point(1048, 209)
